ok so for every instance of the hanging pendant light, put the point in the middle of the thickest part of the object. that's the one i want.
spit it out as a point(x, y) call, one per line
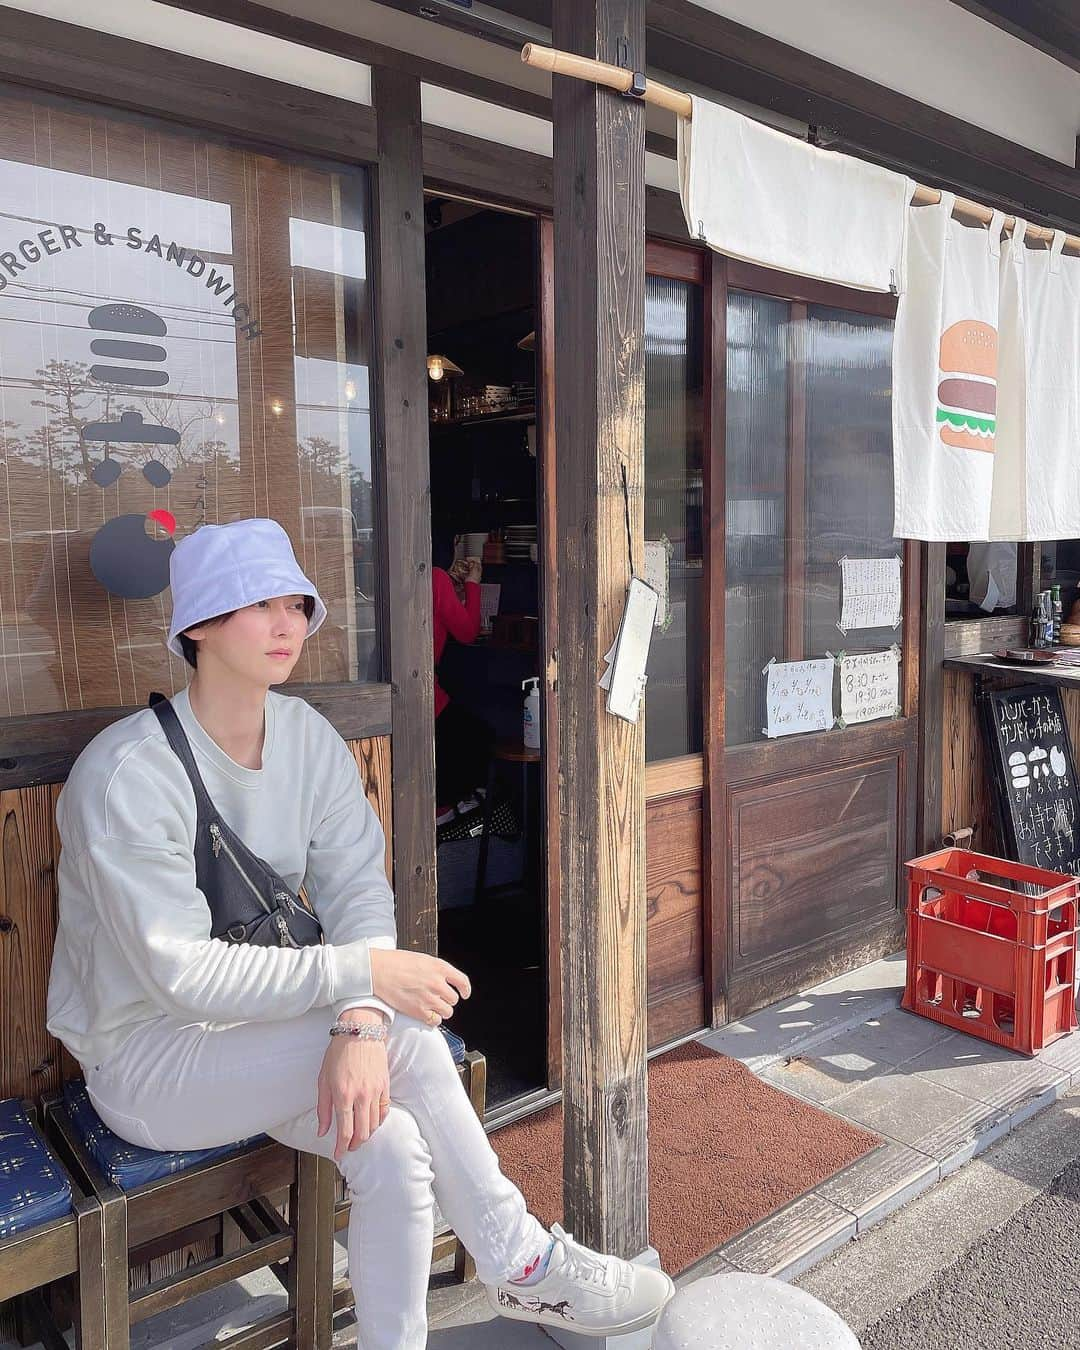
point(438, 366)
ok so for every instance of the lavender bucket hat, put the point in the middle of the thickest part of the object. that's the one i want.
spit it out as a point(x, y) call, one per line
point(220, 568)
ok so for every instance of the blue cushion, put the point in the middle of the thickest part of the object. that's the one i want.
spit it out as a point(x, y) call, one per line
point(33, 1186)
point(129, 1165)
point(456, 1044)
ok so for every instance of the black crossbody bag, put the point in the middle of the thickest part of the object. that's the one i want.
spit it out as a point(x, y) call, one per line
point(249, 901)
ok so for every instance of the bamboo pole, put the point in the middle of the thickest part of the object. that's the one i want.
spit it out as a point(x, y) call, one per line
point(675, 101)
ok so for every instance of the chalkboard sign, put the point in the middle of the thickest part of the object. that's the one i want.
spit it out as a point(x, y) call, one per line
point(1034, 776)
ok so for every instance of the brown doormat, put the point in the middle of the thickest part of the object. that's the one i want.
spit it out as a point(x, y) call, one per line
point(725, 1150)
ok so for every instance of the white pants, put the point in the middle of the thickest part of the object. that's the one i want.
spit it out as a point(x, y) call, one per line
point(175, 1085)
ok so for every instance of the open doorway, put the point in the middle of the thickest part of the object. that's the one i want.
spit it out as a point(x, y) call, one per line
point(486, 507)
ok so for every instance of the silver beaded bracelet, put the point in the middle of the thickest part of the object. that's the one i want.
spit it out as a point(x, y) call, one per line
point(365, 1031)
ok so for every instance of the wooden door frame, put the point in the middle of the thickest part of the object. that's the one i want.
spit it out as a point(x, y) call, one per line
point(702, 772)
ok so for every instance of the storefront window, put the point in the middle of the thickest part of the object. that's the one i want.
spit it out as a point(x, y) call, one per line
point(184, 339)
point(809, 483)
point(673, 505)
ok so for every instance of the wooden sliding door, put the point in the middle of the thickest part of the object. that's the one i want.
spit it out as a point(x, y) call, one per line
point(818, 824)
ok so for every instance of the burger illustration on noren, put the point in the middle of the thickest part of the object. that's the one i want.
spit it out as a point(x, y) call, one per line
point(967, 393)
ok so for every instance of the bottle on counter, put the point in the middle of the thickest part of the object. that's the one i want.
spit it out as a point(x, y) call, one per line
point(1057, 611)
point(1042, 621)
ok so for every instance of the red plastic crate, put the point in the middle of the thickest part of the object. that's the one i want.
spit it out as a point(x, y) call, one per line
point(987, 959)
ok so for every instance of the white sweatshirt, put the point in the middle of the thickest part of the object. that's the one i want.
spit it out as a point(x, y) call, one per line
point(133, 941)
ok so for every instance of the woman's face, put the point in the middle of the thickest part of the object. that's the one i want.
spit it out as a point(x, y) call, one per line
point(261, 642)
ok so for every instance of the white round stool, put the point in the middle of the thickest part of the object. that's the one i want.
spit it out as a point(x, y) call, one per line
point(749, 1312)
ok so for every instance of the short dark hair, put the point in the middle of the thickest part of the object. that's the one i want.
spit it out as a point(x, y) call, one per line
point(190, 647)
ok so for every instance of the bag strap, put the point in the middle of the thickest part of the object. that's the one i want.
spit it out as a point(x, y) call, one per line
point(177, 736)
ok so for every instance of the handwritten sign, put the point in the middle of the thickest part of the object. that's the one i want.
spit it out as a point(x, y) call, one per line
point(1034, 776)
point(869, 686)
point(798, 696)
point(871, 593)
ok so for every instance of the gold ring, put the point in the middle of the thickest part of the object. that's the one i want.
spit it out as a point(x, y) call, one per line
point(433, 1017)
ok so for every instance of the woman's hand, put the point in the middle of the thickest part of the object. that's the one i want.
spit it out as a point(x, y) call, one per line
point(417, 984)
point(354, 1090)
point(473, 569)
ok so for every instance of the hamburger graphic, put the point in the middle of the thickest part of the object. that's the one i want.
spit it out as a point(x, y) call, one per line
point(967, 394)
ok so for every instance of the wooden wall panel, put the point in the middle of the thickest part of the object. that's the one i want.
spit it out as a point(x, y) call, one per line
point(673, 899)
point(965, 790)
point(813, 857)
point(814, 868)
point(29, 1058)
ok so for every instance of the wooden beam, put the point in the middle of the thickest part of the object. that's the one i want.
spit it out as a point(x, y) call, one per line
point(292, 28)
point(500, 28)
point(847, 111)
point(689, 41)
point(261, 18)
point(1052, 26)
point(42, 747)
point(67, 59)
point(599, 412)
point(404, 495)
point(931, 697)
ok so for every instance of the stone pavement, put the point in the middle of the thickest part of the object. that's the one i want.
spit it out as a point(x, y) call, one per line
point(987, 1258)
point(936, 1097)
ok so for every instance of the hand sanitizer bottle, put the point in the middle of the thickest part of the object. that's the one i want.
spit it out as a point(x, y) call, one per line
point(531, 726)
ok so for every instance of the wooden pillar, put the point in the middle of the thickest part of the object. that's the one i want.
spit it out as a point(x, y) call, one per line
point(405, 497)
point(599, 168)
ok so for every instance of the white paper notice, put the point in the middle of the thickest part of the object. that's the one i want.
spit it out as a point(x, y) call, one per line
point(871, 593)
point(655, 572)
point(869, 686)
point(799, 696)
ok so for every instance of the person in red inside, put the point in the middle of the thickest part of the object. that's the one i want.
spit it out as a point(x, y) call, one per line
point(462, 740)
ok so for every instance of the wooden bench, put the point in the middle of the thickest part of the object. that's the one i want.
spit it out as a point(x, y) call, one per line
point(152, 1203)
point(262, 1205)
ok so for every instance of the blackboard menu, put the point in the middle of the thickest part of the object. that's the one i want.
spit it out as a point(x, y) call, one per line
point(1034, 776)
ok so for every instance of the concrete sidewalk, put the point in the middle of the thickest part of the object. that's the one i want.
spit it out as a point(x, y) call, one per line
point(936, 1097)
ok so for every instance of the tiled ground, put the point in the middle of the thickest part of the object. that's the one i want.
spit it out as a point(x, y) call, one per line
point(937, 1098)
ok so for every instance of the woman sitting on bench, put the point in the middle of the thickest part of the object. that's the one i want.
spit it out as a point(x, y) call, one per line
point(190, 1038)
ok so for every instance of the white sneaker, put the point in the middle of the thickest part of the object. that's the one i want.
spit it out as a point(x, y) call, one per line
point(586, 1292)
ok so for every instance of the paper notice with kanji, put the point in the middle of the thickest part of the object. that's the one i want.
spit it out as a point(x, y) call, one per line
point(871, 593)
point(869, 686)
point(798, 696)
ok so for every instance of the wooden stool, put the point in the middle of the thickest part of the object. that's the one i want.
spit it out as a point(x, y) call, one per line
point(49, 1229)
point(148, 1199)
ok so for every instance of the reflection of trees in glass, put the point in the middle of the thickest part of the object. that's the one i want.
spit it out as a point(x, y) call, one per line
point(70, 400)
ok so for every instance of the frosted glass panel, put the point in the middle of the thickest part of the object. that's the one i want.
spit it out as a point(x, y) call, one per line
point(673, 500)
point(849, 480)
point(809, 481)
point(756, 453)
